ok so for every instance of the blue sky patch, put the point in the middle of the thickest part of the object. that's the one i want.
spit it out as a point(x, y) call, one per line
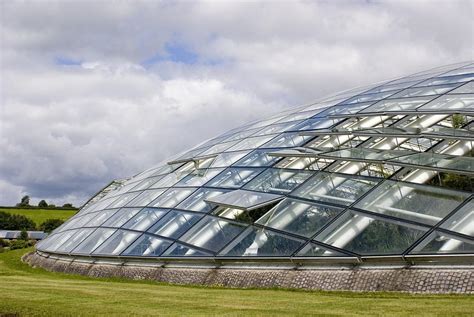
point(174, 52)
point(65, 61)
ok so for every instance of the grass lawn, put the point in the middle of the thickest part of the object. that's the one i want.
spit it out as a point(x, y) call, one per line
point(27, 291)
point(40, 215)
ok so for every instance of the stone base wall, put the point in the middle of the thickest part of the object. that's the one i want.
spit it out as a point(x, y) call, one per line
point(413, 280)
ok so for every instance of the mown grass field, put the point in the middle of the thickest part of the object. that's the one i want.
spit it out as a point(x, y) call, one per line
point(35, 292)
point(40, 215)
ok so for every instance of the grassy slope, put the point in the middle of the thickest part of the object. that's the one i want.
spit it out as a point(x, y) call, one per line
point(40, 215)
point(29, 291)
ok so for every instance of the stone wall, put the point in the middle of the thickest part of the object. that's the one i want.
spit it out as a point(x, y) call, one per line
point(413, 280)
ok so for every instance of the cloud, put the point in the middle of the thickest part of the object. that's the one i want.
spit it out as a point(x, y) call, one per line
point(93, 91)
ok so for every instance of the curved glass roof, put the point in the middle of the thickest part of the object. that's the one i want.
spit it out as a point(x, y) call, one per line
point(385, 170)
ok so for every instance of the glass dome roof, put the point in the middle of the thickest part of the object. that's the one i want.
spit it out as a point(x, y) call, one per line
point(385, 170)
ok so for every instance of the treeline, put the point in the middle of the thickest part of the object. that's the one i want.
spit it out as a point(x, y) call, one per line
point(19, 222)
point(23, 224)
point(25, 203)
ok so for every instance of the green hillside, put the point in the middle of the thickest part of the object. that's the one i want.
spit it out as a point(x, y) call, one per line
point(40, 215)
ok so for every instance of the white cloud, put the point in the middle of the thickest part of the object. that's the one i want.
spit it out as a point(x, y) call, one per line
point(67, 130)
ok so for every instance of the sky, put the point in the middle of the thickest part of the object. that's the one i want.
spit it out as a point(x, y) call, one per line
point(92, 91)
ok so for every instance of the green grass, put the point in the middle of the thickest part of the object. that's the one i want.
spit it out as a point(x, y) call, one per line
point(28, 291)
point(40, 215)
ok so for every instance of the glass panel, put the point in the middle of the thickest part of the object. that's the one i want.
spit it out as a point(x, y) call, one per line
point(395, 85)
point(169, 180)
point(365, 235)
point(147, 245)
point(405, 104)
point(260, 242)
point(307, 163)
point(441, 243)
point(162, 170)
point(78, 222)
point(199, 177)
point(448, 133)
point(298, 217)
point(425, 204)
point(100, 217)
point(218, 148)
point(464, 70)
point(56, 241)
point(312, 249)
point(74, 241)
point(122, 200)
point(240, 135)
point(257, 158)
point(441, 161)
point(464, 89)
point(145, 184)
point(243, 199)
point(335, 188)
point(145, 218)
point(366, 154)
point(212, 233)
point(251, 143)
point(276, 128)
point(172, 197)
point(299, 115)
point(450, 102)
point(174, 224)
point(369, 97)
point(121, 217)
point(100, 204)
point(234, 177)
point(287, 140)
point(145, 198)
point(462, 221)
point(264, 123)
point(313, 124)
point(117, 242)
point(188, 155)
point(278, 181)
point(228, 158)
point(180, 250)
point(119, 190)
point(344, 109)
point(448, 79)
point(196, 202)
point(93, 240)
point(424, 91)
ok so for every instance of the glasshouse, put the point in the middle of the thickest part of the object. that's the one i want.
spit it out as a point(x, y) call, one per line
point(379, 175)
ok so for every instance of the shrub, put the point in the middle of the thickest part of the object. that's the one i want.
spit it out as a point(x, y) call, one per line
point(4, 243)
point(20, 244)
point(15, 222)
point(50, 224)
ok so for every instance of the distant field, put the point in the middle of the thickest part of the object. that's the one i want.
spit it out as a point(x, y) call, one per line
point(30, 291)
point(40, 215)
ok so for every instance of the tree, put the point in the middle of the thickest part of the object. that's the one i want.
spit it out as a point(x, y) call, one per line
point(50, 224)
point(68, 205)
point(23, 235)
point(15, 222)
point(25, 201)
point(42, 204)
